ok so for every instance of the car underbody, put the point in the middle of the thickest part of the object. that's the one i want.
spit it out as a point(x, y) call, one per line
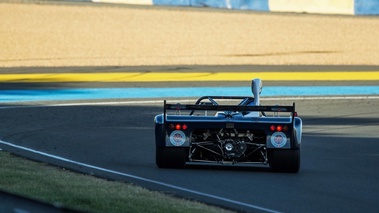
point(228, 146)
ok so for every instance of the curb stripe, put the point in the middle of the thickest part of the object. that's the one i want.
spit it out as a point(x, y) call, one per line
point(190, 76)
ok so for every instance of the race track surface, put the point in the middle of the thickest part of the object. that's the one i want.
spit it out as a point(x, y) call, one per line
point(339, 169)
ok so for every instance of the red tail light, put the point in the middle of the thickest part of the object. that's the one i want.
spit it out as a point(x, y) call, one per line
point(278, 128)
point(178, 127)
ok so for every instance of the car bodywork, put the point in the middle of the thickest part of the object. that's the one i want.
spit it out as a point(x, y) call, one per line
point(243, 133)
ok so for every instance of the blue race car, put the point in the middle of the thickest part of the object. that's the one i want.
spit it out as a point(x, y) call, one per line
point(238, 131)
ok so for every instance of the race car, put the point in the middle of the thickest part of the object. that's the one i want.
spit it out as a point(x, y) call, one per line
point(229, 131)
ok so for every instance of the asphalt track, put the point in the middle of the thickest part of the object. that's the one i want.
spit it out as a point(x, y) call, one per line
point(115, 139)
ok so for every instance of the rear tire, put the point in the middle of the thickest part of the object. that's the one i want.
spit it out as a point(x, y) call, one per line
point(285, 160)
point(171, 157)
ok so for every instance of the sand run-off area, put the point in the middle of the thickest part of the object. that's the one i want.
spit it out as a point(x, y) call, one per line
point(58, 34)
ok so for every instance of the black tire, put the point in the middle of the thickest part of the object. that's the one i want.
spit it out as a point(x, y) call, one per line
point(172, 157)
point(285, 160)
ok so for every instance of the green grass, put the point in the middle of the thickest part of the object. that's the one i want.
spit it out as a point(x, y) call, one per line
point(83, 192)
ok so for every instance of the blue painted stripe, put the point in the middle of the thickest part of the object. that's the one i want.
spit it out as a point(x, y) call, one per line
point(121, 93)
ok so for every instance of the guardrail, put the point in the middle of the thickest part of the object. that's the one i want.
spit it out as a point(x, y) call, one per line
point(344, 7)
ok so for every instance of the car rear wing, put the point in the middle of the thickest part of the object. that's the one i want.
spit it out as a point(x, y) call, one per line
point(231, 108)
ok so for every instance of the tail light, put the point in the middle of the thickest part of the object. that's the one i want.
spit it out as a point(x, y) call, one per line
point(178, 126)
point(278, 128)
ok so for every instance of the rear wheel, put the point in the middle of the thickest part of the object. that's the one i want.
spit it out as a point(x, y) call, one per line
point(285, 160)
point(172, 157)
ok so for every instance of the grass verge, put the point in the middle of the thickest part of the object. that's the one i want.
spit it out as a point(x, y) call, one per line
point(86, 193)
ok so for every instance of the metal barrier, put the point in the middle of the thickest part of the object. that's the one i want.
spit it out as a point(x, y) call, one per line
point(345, 7)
